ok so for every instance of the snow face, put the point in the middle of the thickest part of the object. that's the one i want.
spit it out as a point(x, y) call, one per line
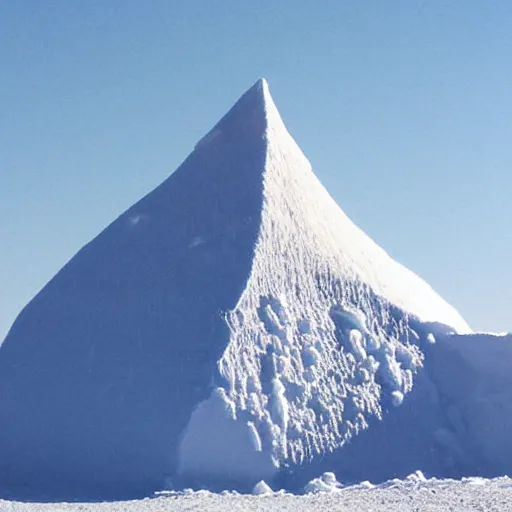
point(232, 323)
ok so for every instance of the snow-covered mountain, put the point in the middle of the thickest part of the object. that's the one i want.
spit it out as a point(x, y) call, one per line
point(232, 324)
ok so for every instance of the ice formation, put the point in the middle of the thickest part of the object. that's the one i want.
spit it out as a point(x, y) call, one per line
point(262, 489)
point(232, 323)
point(324, 483)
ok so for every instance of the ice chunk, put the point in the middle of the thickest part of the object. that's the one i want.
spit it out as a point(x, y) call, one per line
point(326, 483)
point(255, 437)
point(397, 397)
point(310, 356)
point(262, 488)
point(279, 405)
point(356, 340)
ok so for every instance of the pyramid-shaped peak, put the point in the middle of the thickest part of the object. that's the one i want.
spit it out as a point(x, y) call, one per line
point(250, 116)
point(228, 297)
point(261, 85)
point(259, 93)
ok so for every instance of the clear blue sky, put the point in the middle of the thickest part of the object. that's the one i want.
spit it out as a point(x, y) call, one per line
point(404, 108)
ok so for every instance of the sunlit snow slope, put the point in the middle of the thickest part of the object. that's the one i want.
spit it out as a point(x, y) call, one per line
point(231, 323)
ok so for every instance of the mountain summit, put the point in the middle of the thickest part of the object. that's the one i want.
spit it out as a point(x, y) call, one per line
point(232, 323)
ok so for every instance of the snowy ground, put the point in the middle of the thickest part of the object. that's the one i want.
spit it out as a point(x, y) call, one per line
point(409, 495)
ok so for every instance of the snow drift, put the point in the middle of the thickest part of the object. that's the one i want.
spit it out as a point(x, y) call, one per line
point(232, 326)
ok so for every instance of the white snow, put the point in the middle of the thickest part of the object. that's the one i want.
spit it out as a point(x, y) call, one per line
point(235, 328)
point(414, 495)
point(255, 437)
point(325, 483)
point(262, 488)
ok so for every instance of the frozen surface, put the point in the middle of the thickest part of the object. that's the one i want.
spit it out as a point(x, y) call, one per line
point(409, 495)
point(233, 326)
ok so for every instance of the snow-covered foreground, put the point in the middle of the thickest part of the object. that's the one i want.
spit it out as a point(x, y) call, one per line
point(410, 495)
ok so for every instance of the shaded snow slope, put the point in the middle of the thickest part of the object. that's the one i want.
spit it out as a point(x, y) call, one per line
point(101, 371)
point(474, 378)
point(231, 323)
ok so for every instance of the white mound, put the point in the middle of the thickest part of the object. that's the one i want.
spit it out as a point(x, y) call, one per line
point(262, 489)
point(232, 323)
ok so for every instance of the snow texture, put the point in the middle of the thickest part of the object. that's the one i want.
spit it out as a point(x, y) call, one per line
point(409, 495)
point(233, 326)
